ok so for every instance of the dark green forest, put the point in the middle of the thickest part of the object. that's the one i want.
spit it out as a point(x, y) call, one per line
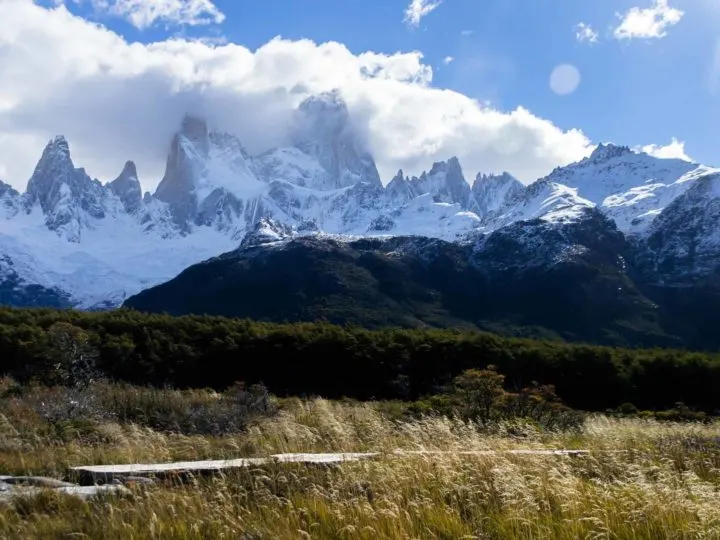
point(335, 361)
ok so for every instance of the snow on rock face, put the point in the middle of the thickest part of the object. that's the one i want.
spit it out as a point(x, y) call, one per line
point(604, 152)
point(683, 242)
point(494, 192)
point(353, 207)
point(205, 169)
point(127, 188)
point(542, 243)
point(7, 191)
point(10, 200)
point(631, 188)
point(545, 200)
point(446, 183)
point(400, 191)
point(290, 165)
point(68, 197)
point(267, 231)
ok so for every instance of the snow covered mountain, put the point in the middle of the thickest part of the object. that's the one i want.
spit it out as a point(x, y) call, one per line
point(79, 242)
point(682, 245)
point(631, 188)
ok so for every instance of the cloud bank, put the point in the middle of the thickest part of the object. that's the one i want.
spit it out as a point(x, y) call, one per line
point(648, 23)
point(676, 150)
point(116, 100)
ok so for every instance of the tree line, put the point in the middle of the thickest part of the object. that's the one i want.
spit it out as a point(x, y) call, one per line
point(335, 361)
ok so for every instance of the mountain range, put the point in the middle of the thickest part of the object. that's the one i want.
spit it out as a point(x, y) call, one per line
point(618, 247)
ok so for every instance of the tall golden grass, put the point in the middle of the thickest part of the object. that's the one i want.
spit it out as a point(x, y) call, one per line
point(643, 479)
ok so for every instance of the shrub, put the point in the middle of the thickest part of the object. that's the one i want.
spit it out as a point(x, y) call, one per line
point(478, 391)
point(478, 395)
point(191, 411)
point(69, 358)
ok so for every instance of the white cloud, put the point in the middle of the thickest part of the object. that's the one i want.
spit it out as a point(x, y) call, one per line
point(648, 23)
point(676, 149)
point(448, 60)
point(145, 13)
point(116, 100)
point(419, 9)
point(585, 33)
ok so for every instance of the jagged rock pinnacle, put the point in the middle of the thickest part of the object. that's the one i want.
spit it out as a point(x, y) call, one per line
point(609, 151)
point(127, 188)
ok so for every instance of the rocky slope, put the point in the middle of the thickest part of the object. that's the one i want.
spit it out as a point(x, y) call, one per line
point(576, 287)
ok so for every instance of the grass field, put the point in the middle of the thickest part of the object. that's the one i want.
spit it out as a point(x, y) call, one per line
point(643, 478)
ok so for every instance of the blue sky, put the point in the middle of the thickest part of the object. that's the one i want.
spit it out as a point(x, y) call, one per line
point(650, 86)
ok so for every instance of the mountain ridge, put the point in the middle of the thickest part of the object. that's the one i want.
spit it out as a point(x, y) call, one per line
point(95, 245)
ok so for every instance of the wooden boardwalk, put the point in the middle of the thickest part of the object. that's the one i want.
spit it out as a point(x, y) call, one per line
point(94, 474)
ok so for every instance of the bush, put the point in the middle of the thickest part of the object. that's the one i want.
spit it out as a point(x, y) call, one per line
point(627, 409)
point(478, 395)
point(71, 358)
point(189, 412)
point(681, 413)
point(478, 392)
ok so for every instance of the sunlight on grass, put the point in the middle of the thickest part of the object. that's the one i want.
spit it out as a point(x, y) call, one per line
point(643, 479)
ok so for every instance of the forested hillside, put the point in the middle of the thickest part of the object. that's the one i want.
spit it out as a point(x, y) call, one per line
point(334, 361)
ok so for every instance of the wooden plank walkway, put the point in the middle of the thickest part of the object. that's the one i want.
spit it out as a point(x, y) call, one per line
point(106, 473)
point(93, 474)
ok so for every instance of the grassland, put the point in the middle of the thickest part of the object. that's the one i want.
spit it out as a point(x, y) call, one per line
point(643, 478)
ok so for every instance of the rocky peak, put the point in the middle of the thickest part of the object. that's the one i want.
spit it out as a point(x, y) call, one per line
point(452, 165)
point(207, 174)
point(266, 231)
point(327, 133)
point(6, 190)
point(127, 188)
point(10, 200)
point(229, 143)
point(446, 183)
point(604, 152)
point(57, 148)
point(494, 192)
point(502, 178)
point(129, 171)
point(188, 151)
point(449, 171)
point(399, 190)
point(66, 195)
point(54, 168)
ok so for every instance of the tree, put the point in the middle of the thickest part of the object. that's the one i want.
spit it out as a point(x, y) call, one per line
point(478, 390)
point(73, 358)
